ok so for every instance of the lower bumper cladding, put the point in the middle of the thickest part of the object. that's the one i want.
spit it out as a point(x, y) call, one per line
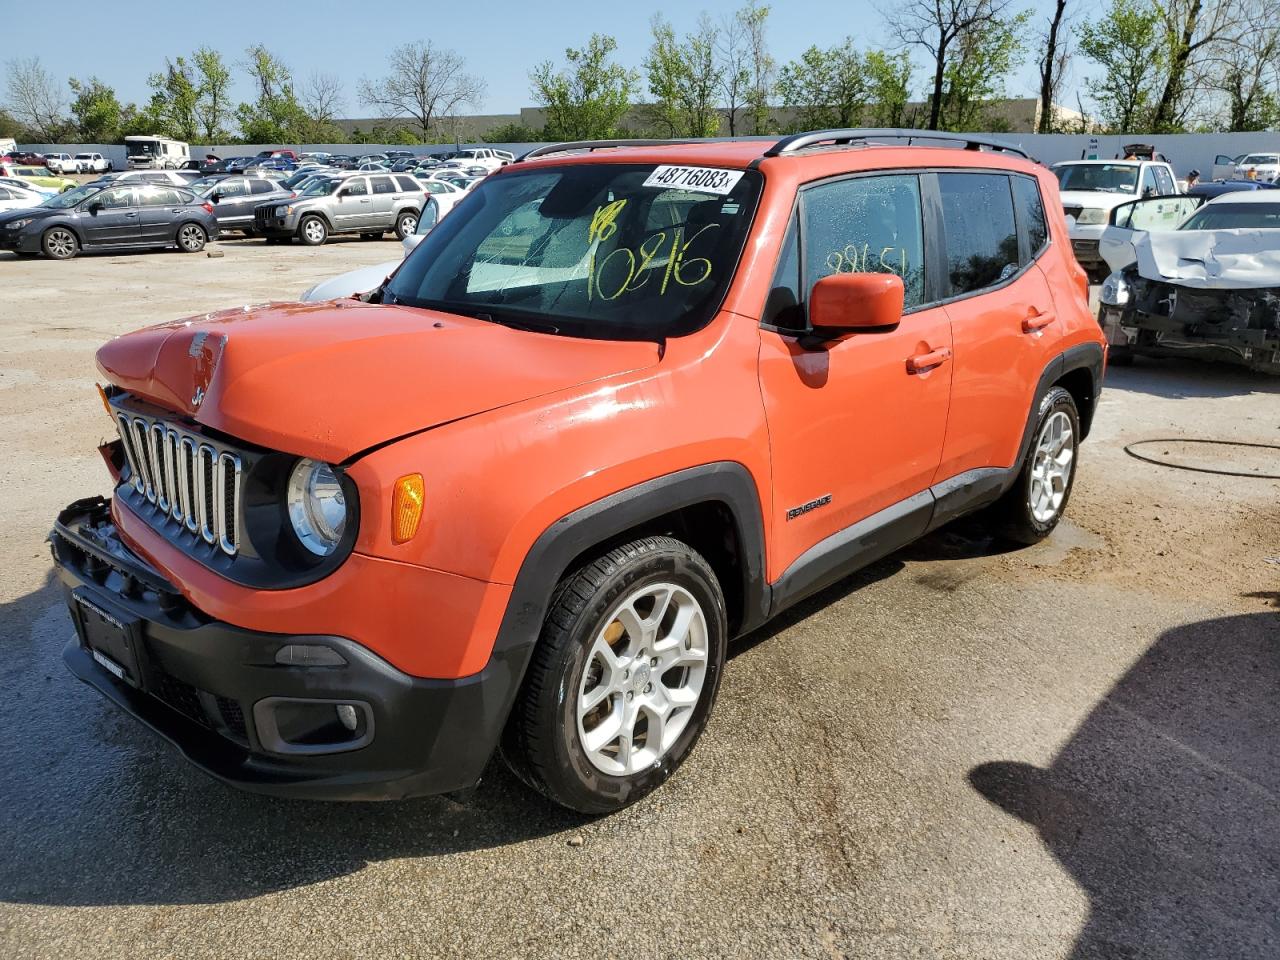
point(307, 716)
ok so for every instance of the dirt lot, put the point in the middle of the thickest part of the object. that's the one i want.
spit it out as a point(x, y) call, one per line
point(1068, 750)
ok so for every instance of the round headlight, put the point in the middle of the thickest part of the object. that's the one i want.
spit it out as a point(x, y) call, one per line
point(317, 508)
point(1115, 290)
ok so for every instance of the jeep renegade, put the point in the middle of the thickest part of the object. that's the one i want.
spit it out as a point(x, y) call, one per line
point(627, 404)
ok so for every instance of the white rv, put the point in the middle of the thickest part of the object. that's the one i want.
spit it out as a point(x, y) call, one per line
point(156, 153)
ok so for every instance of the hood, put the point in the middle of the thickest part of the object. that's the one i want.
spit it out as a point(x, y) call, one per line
point(1221, 259)
point(1095, 198)
point(28, 213)
point(329, 380)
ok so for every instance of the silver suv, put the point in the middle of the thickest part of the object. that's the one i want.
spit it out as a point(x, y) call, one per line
point(369, 204)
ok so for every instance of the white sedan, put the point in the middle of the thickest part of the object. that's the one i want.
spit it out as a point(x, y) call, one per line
point(367, 278)
point(19, 198)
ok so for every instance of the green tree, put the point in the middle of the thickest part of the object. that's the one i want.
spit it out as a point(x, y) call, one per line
point(588, 99)
point(275, 116)
point(684, 78)
point(1128, 46)
point(1196, 33)
point(984, 55)
point(889, 88)
point(174, 95)
point(213, 104)
point(826, 88)
point(1246, 77)
point(944, 30)
point(761, 68)
point(513, 133)
point(95, 111)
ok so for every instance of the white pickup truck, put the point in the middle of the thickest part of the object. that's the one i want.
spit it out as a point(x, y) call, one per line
point(1092, 188)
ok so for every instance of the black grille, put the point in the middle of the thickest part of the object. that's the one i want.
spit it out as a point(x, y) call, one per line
point(181, 697)
point(233, 718)
point(262, 216)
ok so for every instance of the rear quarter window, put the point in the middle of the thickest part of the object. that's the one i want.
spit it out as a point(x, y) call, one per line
point(1030, 208)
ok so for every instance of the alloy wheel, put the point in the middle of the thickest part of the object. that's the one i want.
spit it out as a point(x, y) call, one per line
point(642, 679)
point(314, 231)
point(191, 237)
point(60, 243)
point(1051, 466)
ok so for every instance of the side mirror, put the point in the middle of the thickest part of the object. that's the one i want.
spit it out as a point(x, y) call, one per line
point(95, 207)
point(845, 302)
point(216, 198)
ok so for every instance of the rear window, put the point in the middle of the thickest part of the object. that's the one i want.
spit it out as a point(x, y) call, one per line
point(1026, 195)
point(981, 233)
point(408, 184)
point(1235, 216)
point(382, 185)
point(261, 186)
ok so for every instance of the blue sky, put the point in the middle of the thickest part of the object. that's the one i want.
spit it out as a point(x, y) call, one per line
point(123, 40)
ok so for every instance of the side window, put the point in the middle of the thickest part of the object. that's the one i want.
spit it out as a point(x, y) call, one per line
point(1026, 195)
point(261, 186)
point(866, 225)
point(435, 186)
point(119, 197)
point(1149, 187)
point(408, 184)
point(981, 237)
point(1164, 179)
point(237, 187)
point(6, 195)
point(158, 196)
point(783, 308)
point(355, 187)
point(382, 185)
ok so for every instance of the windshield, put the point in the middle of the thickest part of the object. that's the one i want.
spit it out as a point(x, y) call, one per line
point(1235, 216)
point(1261, 158)
point(138, 148)
point(63, 201)
point(320, 188)
point(1101, 177)
point(605, 251)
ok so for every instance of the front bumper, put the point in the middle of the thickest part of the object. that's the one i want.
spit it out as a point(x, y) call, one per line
point(209, 687)
point(20, 241)
point(267, 223)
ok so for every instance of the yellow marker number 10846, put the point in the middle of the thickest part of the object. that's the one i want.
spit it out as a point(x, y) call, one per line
point(682, 269)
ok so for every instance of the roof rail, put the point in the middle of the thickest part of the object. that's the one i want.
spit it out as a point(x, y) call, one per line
point(799, 141)
point(589, 145)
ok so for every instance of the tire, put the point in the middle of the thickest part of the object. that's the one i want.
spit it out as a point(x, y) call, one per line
point(1027, 513)
point(406, 223)
point(313, 231)
point(59, 243)
point(191, 238)
point(546, 740)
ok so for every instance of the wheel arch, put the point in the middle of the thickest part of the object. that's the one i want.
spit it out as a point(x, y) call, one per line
point(1078, 370)
point(70, 228)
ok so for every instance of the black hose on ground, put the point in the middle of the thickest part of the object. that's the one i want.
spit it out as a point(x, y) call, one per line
point(1184, 466)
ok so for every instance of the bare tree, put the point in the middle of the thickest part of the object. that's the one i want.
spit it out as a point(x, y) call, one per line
point(35, 98)
point(936, 26)
point(732, 53)
point(763, 69)
point(425, 83)
point(1055, 55)
point(322, 97)
point(1194, 29)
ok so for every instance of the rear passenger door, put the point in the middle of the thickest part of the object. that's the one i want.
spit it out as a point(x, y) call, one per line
point(1002, 313)
point(853, 428)
point(233, 207)
point(384, 191)
point(158, 210)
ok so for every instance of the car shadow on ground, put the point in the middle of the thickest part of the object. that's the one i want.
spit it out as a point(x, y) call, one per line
point(1178, 379)
point(1164, 805)
point(96, 810)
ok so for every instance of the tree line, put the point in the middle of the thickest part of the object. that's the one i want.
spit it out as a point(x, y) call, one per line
point(1154, 66)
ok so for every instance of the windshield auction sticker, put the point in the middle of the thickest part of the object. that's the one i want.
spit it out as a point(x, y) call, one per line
point(699, 179)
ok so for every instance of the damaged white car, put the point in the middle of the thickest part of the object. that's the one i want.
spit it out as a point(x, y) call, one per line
point(1204, 281)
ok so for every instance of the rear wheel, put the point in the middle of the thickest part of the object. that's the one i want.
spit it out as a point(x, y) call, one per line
point(191, 238)
point(1032, 507)
point(623, 678)
point(59, 243)
point(313, 231)
point(406, 223)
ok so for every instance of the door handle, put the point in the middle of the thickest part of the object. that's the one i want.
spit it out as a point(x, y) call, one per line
point(1037, 321)
point(927, 361)
point(130, 214)
point(366, 200)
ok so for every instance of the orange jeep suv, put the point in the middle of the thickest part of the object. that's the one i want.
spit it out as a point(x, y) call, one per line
point(626, 404)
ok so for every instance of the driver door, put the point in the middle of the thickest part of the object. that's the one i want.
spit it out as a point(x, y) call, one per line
point(110, 218)
point(1131, 220)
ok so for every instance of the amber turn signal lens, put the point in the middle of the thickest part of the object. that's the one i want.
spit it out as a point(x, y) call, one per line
point(106, 404)
point(406, 507)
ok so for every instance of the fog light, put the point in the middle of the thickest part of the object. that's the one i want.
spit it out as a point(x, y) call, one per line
point(347, 715)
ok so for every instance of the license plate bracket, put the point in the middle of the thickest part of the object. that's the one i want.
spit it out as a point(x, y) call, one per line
point(112, 636)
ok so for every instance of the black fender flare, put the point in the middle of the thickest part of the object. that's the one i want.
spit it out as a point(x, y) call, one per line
point(1086, 356)
point(724, 482)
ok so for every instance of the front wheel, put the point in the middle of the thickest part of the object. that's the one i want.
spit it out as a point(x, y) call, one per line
point(406, 224)
point(191, 238)
point(623, 678)
point(59, 243)
point(313, 231)
point(1032, 507)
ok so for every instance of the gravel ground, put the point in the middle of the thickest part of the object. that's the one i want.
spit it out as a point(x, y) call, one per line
point(1063, 751)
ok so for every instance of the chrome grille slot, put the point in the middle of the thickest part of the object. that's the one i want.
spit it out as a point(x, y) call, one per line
point(187, 478)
